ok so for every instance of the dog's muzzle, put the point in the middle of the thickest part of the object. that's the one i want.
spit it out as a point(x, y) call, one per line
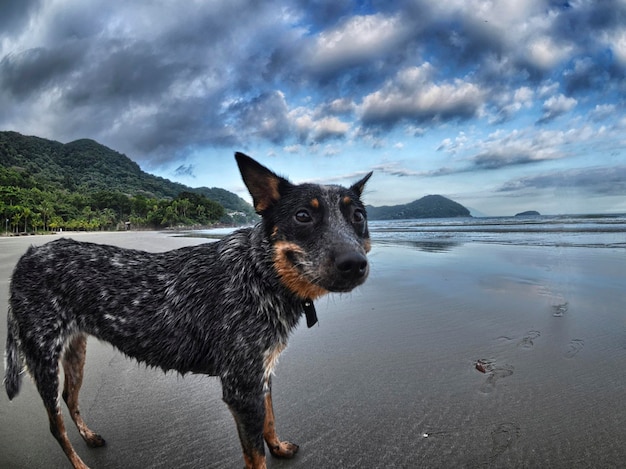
point(350, 269)
point(352, 265)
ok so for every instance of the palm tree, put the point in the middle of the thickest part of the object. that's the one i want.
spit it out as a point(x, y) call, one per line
point(47, 211)
point(17, 217)
point(27, 212)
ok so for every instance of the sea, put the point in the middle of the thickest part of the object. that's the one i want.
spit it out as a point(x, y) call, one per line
point(443, 234)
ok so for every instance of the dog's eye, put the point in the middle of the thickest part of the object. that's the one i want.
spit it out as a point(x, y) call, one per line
point(358, 216)
point(302, 216)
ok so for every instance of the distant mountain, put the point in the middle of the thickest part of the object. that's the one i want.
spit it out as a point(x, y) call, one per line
point(87, 166)
point(430, 206)
point(528, 213)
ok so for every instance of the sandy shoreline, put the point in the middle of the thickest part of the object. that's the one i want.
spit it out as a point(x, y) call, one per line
point(388, 379)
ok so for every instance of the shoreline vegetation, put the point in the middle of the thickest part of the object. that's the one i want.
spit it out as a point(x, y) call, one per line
point(85, 186)
point(167, 230)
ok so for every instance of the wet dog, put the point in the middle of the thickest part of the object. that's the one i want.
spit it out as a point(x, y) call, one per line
point(223, 309)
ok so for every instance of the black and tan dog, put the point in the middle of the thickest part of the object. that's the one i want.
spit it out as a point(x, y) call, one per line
point(223, 309)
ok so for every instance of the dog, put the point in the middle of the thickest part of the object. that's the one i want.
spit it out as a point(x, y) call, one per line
point(222, 309)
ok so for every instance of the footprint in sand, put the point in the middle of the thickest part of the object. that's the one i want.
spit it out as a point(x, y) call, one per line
point(574, 347)
point(527, 341)
point(503, 437)
point(559, 311)
point(495, 373)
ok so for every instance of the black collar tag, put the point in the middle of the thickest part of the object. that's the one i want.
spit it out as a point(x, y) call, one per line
point(309, 312)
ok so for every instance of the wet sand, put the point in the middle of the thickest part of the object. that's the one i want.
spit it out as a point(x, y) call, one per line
point(389, 377)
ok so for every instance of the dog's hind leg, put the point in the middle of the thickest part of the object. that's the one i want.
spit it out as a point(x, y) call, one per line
point(46, 376)
point(73, 365)
point(280, 449)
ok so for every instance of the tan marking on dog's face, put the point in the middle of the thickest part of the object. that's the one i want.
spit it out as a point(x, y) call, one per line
point(367, 245)
point(347, 200)
point(289, 274)
point(315, 203)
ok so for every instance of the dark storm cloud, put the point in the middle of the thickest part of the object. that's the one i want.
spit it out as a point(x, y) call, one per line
point(264, 116)
point(123, 72)
point(155, 80)
point(35, 69)
point(323, 13)
point(15, 14)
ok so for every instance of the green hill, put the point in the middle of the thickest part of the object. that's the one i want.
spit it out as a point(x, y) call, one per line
point(84, 176)
point(87, 165)
point(430, 206)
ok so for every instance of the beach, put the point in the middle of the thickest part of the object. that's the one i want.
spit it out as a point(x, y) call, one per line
point(450, 355)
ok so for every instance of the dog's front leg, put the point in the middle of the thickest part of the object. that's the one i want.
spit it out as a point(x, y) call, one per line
point(280, 449)
point(249, 413)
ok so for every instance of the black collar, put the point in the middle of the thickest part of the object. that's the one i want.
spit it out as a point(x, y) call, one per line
point(309, 312)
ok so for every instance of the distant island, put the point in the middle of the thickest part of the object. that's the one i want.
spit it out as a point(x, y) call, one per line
point(528, 213)
point(430, 206)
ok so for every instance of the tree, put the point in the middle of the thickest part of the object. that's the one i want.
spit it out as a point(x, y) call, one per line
point(26, 213)
point(46, 209)
point(107, 218)
point(16, 216)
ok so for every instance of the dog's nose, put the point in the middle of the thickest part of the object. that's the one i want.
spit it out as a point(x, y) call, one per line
point(351, 264)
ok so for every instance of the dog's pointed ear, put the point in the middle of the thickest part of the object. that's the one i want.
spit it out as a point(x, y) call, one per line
point(360, 185)
point(264, 186)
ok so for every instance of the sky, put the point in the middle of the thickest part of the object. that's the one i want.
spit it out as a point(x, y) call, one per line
point(502, 105)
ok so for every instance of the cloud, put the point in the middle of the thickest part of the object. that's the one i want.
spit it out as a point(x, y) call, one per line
point(544, 53)
point(599, 181)
point(394, 169)
point(294, 149)
point(355, 41)
point(157, 81)
point(185, 170)
point(511, 102)
point(263, 116)
point(338, 106)
point(602, 111)
point(504, 158)
point(15, 14)
point(36, 69)
point(556, 106)
point(316, 129)
point(413, 95)
point(522, 147)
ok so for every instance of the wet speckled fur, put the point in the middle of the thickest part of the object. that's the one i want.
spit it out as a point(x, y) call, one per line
point(223, 309)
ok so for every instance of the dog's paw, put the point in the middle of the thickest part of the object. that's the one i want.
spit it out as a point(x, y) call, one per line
point(94, 440)
point(284, 449)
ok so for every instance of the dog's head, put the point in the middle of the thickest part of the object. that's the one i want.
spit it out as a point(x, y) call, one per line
point(318, 232)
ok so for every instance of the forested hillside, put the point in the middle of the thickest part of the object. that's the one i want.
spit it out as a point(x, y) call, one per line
point(82, 185)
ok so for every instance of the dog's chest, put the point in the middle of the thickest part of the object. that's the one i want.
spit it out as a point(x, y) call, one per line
point(270, 360)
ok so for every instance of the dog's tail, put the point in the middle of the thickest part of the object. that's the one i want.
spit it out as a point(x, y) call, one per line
point(13, 359)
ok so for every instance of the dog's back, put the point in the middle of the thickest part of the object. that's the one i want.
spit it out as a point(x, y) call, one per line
point(174, 310)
